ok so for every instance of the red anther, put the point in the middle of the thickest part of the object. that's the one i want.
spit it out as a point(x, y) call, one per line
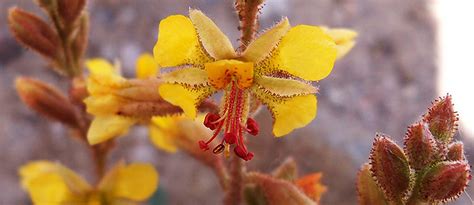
point(241, 152)
point(249, 156)
point(252, 127)
point(230, 138)
point(210, 120)
point(203, 145)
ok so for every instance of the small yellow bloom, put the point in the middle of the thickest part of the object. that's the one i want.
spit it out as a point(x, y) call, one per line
point(50, 183)
point(275, 69)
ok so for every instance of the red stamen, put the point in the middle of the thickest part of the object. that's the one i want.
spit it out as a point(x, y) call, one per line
point(231, 118)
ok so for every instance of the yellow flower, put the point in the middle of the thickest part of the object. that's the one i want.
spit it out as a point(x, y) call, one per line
point(50, 183)
point(274, 69)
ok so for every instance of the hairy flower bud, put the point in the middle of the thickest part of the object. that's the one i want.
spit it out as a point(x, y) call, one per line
point(445, 181)
point(287, 170)
point(420, 146)
point(46, 100)
point(389, 167)
point(442, 119)
point(369, 192)
point(34, 33)
point(277, 191)
point(69, 10)
point(456, 152)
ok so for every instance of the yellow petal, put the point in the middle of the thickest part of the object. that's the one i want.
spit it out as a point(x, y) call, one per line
point(188, 76)
point(220, 73)
point(137, 181)
point(50, 183)
point(288, 113)
point(188, 98)
point(305, 51)
point(103, 105)
point(100, 67)
point(163, 132)
point(284, 87)
point(344, 39)
point(178, 43)
point(103, 77)
point(214, 41)
point(103, 128)
point(260, 48)
point(146, 66)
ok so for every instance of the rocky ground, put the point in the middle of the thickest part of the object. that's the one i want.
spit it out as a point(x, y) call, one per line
point(383, 85)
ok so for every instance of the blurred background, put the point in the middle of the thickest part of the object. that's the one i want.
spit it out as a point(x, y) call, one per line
point(407, 54)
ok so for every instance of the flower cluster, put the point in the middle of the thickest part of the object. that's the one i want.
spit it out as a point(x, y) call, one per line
point(430, 169)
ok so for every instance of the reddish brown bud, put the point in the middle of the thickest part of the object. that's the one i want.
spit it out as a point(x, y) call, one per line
point(46, 100)
point(46, 3)
point(442, 119)
point(368, 191)
point(80, 38)
point(456, 152)
point(69, 10)
point(34, 33)
point(389, 167)
point(420, 146)
point(277, 191)
point(445, 181)
point(287, 170)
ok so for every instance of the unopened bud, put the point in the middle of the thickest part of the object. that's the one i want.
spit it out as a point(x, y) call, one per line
point(368, 191)
point(46, 3)
point(287, 170)
point(442, 119)
point(389, 167)
point(46, 100)
point(80, 39)
point(420, 146)
point(70, 10)
point(456, 152)
point(277, 191)
point(34, 33)
point(445, 181)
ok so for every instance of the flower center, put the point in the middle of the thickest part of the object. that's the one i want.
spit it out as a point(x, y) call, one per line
point(222, 72)
point(232, 120)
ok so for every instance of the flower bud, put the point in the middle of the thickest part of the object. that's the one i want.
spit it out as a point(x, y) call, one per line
point(456, 152)
point(287, 170)
point(80, 38)
point(420, 146)
point(34, 33)
point(69, 10)
point(46, 100)
point(368, 191)
point(277, 191)
point(445, 181)
point(389, 167)
point(46, 3)
point(442, 119)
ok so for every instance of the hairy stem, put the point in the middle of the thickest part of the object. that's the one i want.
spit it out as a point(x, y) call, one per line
point(234, 193)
